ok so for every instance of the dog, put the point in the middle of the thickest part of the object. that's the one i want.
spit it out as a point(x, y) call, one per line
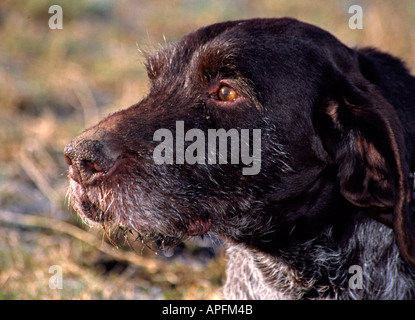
point(328, 213)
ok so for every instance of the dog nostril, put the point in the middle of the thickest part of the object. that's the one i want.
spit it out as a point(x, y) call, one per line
point(89, 168)
point(68, 160)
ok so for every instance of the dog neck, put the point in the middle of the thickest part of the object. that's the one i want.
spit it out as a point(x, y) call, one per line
point(323, 269)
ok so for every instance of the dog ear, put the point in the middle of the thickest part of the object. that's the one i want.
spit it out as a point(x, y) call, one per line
point(370, 154)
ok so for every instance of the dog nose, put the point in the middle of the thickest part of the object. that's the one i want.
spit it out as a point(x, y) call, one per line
point(91, 156)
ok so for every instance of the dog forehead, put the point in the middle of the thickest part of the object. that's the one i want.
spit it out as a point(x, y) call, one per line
point(243, 49)
point(178, 55)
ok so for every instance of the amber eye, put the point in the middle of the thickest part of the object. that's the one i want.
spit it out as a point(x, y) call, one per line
point(226, 93)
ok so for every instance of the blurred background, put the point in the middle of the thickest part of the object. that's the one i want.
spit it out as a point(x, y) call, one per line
point(55, 83)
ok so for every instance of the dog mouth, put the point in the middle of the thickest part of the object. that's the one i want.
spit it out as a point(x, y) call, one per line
point(121, 223)
point(91, 214)
point(117, 231)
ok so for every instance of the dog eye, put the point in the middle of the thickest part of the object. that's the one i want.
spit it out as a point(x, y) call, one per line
point(226, 93)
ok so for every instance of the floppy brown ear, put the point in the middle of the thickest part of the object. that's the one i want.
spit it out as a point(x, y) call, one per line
point(370, 154)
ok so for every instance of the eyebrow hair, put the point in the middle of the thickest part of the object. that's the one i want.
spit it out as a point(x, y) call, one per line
point(217, 56)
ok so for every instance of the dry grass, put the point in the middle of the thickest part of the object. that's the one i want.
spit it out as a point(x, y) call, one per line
point(53, 84)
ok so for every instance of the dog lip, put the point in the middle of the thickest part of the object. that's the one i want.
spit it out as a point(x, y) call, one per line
point(87, 208)
point(199, 227)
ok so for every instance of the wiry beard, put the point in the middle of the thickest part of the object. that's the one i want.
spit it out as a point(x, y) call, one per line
point(115, 211)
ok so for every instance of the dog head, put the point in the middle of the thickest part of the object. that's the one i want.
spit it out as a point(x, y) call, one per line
point(329, 141)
